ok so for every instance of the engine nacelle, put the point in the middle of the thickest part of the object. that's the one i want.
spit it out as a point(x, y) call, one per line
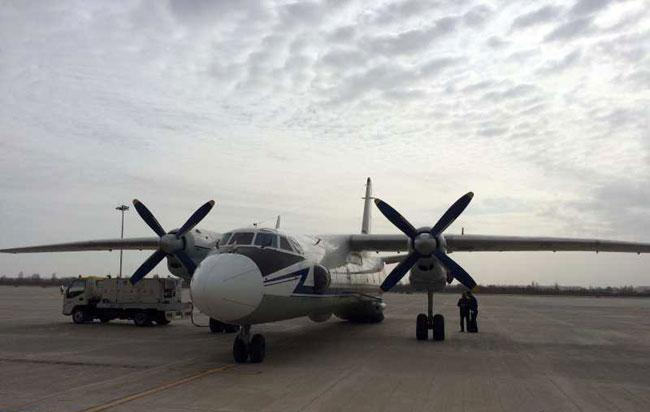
point(428, 273)
point(322, 279)
point(197, 246)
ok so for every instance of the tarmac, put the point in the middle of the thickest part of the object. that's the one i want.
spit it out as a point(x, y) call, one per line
point(531, 354)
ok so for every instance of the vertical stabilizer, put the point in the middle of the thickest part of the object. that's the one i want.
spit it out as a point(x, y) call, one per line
point(367, 208)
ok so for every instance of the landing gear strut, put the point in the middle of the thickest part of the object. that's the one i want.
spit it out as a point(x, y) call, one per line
point(430, 321)
point(248, 347)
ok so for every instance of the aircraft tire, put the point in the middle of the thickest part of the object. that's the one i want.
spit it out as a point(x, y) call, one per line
point(257, 348)
point(422, 327)
point(240, 350)
point(438, 327)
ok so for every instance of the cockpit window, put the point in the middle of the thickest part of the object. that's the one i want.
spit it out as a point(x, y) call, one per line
point(224, 238)
point(284, 244)
point(296, 245)
point(266, 239)
point(241, 238)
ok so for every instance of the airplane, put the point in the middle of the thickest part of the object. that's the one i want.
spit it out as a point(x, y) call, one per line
point(250, 276)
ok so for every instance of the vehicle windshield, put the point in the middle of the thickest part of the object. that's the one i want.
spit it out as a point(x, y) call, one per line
point(76, 288)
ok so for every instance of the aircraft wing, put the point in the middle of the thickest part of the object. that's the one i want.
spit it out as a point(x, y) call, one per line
point(488, 243)
point(139, 243)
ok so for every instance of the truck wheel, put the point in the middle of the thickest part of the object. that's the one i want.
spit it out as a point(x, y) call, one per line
point(141, 319)
point(79, 316)
point(161, 319)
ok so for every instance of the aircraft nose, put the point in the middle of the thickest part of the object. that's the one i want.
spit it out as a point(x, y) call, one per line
point(227, 287)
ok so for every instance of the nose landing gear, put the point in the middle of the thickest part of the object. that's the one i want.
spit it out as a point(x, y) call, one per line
point(247, 347)
point(424, 322)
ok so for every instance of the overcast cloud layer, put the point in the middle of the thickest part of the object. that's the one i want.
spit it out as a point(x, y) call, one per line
point(540, 108)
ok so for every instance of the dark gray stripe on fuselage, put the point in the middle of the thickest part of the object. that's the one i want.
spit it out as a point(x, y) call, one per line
point(268, 260)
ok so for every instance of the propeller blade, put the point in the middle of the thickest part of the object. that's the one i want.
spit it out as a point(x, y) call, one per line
point(451, 214)
point(395, 218)
point(195, 218)
point(189, 263)
point(148, 217)
point(147, 266)
point(398, 272)
point(456, 270)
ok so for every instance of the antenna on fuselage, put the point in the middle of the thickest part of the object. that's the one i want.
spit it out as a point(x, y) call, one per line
point(277, 223)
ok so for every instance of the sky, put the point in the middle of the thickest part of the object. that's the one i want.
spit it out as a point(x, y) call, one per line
point(540, 108)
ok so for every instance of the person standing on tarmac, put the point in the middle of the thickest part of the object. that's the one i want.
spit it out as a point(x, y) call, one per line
point(463, 305)
point(473, 312)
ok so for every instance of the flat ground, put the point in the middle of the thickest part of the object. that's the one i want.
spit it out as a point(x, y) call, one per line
point(532, 354)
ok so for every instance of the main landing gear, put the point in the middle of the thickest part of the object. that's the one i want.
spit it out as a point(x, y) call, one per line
point(247, 347)
point(430, 321)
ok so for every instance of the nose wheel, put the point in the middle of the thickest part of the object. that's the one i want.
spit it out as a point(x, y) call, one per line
point(247, 347)
point(424, 322)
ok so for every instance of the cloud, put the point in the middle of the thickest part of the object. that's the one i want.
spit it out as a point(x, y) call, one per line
point(542, 15)
point(256, 104)
point(570, 29)
point(477, 16)
point(435, 66)
point(344, 58)
point(400, 11)
point(622, 209)
point(342, 34)
point(411, 41)
point(558, 66)
point(589, 7)
point(514, 92)
point(495, 42)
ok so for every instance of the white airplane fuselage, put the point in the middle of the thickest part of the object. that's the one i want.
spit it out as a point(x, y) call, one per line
point(319, 276)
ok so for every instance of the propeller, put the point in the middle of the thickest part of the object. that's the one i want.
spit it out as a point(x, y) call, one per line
point(171, 243)
point(426, 242)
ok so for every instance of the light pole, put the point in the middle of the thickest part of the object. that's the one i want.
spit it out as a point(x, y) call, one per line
point(122, 208)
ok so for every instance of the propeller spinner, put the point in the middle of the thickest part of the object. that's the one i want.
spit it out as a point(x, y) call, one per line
point(425, 242)
point(171, 243)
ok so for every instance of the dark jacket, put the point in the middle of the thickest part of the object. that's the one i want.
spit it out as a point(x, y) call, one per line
point(463, 305)
point(473, 304)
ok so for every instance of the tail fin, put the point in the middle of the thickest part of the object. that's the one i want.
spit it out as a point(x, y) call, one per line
point(367, 208)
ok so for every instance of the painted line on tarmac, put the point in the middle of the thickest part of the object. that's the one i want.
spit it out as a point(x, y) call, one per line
point(156, 389)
